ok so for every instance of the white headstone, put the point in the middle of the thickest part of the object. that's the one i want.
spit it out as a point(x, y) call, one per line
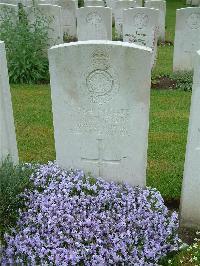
point(187, 38)
point(161, 6)
point(120, 5)
point(93, 3)
point(8, 11)
point(94, 23)
point(100, 104)
point(68, 16)
point(190, 199)
point(8, 144)
point(55, 27)
point(140, 26)
point(195, 2)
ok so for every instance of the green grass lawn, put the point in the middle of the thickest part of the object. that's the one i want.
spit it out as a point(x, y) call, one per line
point(169, 115)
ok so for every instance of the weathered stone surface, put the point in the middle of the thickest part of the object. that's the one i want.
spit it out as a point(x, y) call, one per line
point(8, 144)
point(94, 23)
point(195, 2)
point(93, 3)
point(161, 6)
point(187, 38)
point(190, 199)
point(68, 16)
point(119, 6)
point(140, 26)
point(100, 101)
point(8, 8)
point(55, 28)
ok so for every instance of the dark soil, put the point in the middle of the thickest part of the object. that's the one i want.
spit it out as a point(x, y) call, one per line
point(163, 83)
point(172, 204)
point(187, 235)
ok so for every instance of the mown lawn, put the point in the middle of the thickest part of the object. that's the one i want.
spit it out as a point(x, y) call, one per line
point(169, 115)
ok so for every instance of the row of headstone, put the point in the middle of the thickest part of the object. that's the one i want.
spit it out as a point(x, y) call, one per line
point(96, 20)
point(95, 23)
point(120, 5)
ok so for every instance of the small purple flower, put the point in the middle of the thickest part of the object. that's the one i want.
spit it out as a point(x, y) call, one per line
point(73, 219)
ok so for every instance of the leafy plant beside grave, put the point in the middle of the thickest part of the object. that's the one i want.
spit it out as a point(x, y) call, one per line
point(26, 38)
point(190, 255)
point(72, 218)
point(13, 181)
point(68, 38)
point(182, 80)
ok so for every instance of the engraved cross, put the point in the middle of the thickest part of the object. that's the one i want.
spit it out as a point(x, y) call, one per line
point(100, 161)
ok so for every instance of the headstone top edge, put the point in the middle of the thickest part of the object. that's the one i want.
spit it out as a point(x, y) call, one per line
point(110, 43)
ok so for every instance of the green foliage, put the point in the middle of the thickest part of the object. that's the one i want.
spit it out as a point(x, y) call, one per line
point(184, 80)
point(190, 255)
point(26, 39)
point(68, 38)
point(80, 3)
point(13, 181)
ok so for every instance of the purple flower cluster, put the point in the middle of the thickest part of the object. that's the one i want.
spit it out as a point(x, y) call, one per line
point(73, 219)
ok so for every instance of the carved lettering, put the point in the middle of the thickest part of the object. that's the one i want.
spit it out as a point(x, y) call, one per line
point(193, 21)
point(103, 122)
point(94, 18)
point(140, 20)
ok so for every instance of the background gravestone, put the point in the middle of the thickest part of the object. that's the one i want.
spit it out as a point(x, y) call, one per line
point(161, 6)
point(119, 6)
point(8, 144)
point(187, 38)
point(100, 104)
point(7, 9)
point(140, 26)
point(68, 17)
point(93, 3)
point(55, 15)
point(94, 23)
point(190, 199)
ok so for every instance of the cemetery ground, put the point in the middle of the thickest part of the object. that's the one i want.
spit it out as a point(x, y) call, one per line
point(169, 116)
